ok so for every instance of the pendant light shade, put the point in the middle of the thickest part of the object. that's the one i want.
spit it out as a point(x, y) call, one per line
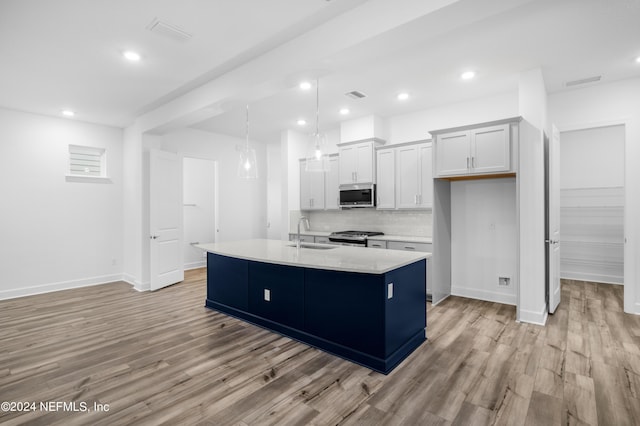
point(247, 164)
point(317, 158)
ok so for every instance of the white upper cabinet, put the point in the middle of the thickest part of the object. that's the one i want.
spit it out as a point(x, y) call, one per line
point(408, 178)
point(332, 185)
point(311, 189)
point(414, 177)
point(357, 162)
point(482, 150)
point(404, 176)
point(386, 178)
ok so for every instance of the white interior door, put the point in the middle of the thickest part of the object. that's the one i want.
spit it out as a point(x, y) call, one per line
point(553, 213)
point(165, 218)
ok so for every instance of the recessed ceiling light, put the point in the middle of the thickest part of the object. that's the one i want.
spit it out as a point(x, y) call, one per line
point(305, 85)
point(68, 113)
point(344, 111)
point(403, 96)
point(638, 60)
point(131, 55)
point(468, 75)
point(302, 122)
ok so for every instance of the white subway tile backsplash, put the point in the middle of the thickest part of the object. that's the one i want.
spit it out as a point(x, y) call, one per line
point(416, 223)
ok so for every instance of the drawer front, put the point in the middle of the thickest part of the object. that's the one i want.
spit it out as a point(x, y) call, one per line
point(377, 244)
point(322, 240)
point(407, 246)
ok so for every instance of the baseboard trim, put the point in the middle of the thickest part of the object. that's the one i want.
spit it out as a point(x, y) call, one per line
point(583, 276)
point(532, 317)
point(195, 265)
point(62, 285)
point(489, 296)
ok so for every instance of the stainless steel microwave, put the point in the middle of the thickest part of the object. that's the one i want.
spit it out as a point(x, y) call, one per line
point(358, 195)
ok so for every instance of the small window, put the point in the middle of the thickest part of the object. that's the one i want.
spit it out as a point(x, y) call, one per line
point(87, 161)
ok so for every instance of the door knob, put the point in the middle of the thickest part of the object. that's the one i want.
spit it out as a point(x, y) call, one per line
point(153, 237)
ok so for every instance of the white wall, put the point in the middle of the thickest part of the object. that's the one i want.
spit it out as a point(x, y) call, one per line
point(416, 126)
point(241, 203)
point(56, 234)
point(199, 212)
point(484, 239)
point(607, 104)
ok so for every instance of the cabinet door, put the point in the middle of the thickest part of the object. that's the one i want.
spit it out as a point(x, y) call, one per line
point(311, 189)
point(276, 292)
point(364, 163)
point(425, 170)
point(347, 164)
point(332, 185)
point(490, 149)
point(385, 171)
point(453, 156)
point(228, 281)
point(407, 183)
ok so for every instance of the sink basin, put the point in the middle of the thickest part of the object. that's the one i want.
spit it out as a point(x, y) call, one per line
point(313, 246)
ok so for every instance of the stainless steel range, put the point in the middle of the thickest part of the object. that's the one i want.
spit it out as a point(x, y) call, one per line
point(352, 238)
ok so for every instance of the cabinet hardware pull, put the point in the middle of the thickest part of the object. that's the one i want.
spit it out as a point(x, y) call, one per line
point(409, 248)
point(473, 162)
point(467, 162)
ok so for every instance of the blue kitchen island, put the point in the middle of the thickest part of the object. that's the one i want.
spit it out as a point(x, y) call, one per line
point(363, 304)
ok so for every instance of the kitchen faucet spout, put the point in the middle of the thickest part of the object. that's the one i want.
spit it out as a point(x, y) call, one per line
point(306, 221)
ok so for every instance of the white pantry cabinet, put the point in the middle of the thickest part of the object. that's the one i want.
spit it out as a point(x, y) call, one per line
point(357, 161)
point(482, 150)
point(311, 189)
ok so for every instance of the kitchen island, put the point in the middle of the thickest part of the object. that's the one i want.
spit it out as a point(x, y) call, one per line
point(363, 304)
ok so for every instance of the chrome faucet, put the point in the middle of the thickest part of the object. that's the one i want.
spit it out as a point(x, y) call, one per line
point(306, 220)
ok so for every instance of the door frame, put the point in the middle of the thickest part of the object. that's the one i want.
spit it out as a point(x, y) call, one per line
point(628, 282)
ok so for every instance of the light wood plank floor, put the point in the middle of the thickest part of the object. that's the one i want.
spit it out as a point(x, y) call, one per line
point(163, 358)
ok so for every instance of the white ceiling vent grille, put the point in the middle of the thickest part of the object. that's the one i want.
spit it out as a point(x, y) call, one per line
point(355, 95)
point(168, 30)
point(588, 80)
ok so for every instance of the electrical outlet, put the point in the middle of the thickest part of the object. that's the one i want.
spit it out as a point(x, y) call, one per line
point(390, 291)
point(267, 295)
point(504, 281)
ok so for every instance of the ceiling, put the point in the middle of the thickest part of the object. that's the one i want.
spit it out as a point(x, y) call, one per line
point(67, 54)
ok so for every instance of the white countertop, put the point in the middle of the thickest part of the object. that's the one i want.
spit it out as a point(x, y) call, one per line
point(337, 258)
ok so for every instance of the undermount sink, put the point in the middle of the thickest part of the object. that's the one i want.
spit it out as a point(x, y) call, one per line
point(313, 246)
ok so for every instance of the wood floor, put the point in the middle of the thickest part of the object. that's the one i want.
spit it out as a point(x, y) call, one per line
point(163, 358)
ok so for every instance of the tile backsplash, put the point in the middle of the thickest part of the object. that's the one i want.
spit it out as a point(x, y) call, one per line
point(416, 223)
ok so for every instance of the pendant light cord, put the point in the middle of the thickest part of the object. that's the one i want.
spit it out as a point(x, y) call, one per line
point(247, 126)
point(317, 106)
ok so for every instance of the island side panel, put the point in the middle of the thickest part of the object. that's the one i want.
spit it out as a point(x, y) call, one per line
point(276, 292)
point(346, 308)
point(406, 310)
point(228, 281)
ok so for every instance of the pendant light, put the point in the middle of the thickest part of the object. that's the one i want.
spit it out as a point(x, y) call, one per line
point(317, 159)
point(247, 164)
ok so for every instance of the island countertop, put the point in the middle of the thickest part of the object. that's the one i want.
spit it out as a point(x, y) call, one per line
point(335, 258)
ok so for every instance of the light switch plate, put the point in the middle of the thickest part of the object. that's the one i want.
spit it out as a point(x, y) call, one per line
point(267, 295)
point(390, 291)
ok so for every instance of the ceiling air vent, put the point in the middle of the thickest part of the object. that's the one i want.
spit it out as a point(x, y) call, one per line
point(168, 30)
point(355, 95)
point(593, 79)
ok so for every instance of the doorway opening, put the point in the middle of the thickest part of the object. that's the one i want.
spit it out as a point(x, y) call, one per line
point(199, 208)
point(592, 191)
